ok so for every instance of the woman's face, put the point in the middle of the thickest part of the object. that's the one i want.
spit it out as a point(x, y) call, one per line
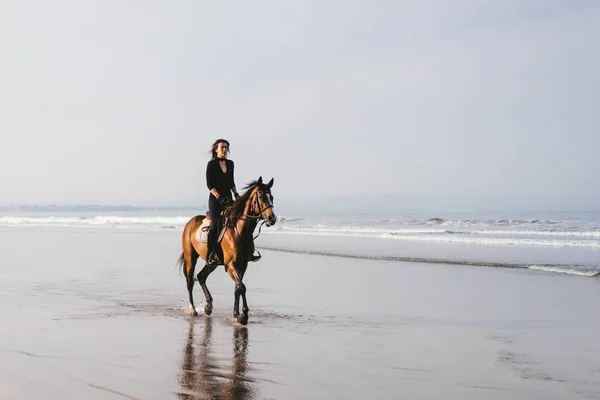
point(222, 150)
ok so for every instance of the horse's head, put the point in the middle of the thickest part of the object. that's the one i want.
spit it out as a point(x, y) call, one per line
point(262, 201)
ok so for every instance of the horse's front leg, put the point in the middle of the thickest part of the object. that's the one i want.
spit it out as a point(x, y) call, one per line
point(239, 291)
point(236, 301)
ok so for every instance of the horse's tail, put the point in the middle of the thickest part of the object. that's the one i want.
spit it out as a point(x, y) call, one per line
point(181, 263)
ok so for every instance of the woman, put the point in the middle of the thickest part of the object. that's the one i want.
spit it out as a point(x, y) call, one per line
point(220, 182)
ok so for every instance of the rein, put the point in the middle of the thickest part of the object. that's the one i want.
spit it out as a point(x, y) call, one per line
point(230, 221)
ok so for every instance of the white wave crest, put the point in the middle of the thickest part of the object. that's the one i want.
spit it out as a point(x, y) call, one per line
point(488, 222)
point(587, 234)
point(331, 230)
point(486, 237)
point(514, 241)
point(569, 271)
point(95, 221)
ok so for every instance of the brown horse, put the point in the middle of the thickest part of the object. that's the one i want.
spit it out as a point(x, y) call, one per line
point(236, 246)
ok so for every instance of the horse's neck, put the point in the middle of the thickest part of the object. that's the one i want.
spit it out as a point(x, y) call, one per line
point(246, 226)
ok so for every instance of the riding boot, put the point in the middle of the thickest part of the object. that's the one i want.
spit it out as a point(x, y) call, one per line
point(211, 244)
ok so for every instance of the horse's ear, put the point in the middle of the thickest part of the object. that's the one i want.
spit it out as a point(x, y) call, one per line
point(259, 181)
point(270, 184)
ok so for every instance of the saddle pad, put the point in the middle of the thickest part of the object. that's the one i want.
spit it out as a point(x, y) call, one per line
point(202, 233)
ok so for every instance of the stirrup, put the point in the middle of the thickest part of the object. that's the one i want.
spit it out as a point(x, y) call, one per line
point(255, 258)
point(212, 260)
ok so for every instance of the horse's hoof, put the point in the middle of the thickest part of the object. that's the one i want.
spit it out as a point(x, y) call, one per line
point(192, 311)
point(243, 319)
point(236, 314)
point(208, 309)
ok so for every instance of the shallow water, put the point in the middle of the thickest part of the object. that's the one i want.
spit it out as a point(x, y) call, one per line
point(102, 315)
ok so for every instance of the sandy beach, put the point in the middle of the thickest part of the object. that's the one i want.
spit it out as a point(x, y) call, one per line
point(102, 315)
point(421, 178)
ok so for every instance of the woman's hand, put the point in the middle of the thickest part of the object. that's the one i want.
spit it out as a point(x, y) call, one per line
point(224, 201)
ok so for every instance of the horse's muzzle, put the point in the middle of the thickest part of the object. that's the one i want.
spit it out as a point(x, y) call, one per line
point(271, 219)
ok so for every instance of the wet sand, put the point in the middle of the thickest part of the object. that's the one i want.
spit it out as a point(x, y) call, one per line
point(101, 314)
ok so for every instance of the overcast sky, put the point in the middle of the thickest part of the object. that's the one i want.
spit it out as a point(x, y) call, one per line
point(119, 101)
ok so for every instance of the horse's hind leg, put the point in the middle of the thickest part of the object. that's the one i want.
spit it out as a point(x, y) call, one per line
point(190, 257)
point(202, 276)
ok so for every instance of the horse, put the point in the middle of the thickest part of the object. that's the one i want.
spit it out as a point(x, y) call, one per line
point(236, 246)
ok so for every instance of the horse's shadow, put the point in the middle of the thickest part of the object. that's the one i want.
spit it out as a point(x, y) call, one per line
point(203, 374)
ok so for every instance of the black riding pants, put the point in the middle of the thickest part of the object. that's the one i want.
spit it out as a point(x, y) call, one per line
point(215, 211)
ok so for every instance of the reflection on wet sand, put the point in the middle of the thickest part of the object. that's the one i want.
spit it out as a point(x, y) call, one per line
point(201, 376)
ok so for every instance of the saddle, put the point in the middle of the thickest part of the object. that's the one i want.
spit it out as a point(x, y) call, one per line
point(205, 227)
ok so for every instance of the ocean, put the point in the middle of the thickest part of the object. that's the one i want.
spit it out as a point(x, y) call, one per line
point(547, 240)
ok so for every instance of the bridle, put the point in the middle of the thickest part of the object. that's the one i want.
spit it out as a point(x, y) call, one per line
point(258, 217)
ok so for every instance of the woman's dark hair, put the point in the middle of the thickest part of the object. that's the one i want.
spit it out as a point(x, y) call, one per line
point(213, 149)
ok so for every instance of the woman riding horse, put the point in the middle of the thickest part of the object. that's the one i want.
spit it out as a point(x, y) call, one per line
point(237, 244)
point(220, 182)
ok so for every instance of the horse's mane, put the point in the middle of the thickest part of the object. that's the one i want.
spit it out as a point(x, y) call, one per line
point(237, 208)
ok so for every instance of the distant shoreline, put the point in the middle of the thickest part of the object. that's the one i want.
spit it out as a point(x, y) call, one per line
point(90, 208)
